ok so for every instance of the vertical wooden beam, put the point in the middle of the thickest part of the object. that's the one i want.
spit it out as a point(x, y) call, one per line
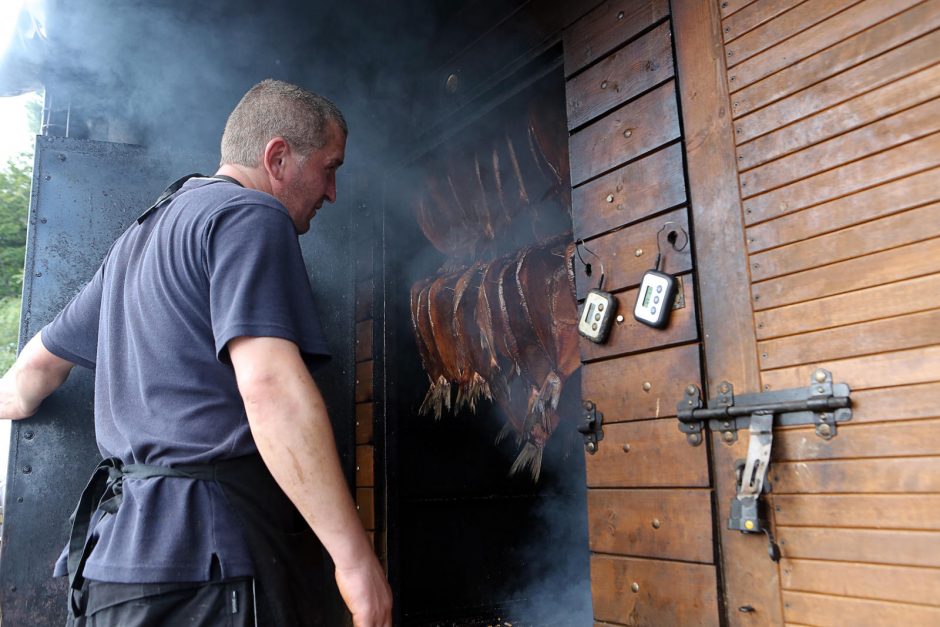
point(750, 578)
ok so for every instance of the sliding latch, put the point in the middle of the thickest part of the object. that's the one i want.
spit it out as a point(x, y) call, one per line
point(591, 426)
point(823, 404)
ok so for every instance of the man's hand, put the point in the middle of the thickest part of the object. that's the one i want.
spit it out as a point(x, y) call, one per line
point(292, 430)
point(35, 374)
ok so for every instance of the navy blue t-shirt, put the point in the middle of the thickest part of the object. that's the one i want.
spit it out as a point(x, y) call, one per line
point(216, 263)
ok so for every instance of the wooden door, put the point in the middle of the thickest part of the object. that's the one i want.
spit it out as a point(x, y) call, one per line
point(809, 134)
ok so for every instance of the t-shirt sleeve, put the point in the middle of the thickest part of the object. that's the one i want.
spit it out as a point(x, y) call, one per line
point(73, 334)
point(258, 284)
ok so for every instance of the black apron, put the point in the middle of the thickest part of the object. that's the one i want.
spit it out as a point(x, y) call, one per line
point(287, 556)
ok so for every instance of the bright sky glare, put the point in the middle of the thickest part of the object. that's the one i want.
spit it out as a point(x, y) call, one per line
point(15, 136)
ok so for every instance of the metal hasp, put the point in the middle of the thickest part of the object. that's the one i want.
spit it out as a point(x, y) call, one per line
point(823, 404)
point(591, 426)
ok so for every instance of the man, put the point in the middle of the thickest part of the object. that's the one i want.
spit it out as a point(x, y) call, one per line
point(201, 326)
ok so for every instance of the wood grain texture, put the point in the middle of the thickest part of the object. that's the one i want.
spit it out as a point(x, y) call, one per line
point(864, 239)
point(668, 593)
point(619, 387)
point(729, 7)
point(364, 383)
point(364, 340)
point(638, 127)
point(886, 199)
point(665, 524)
point(828, 62)
point(632, 336)
point(897, 129)
point(859, 476)
point(901, 548)
point(783, 27)
point(365, 505)
point(872, 511)
point(628, 253)
point(879, 336)
point(893, 439)
point(365, 466)
point(607, 27)
point(752, 16)
point(364, 423)
point(721, 265)
point(819, 37)
point(903, 584)
point(621, 76)
point(883, 301)
point(881, 70)
point(633, 192)
point(817, 609)
point(888, 266)
point(910, 158)
point(658, 456)
point(862, 109)
point(909, 402)
point(920, 365)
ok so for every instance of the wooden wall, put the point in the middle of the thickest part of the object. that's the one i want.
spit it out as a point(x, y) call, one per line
point(836, 116)
point(649, 498)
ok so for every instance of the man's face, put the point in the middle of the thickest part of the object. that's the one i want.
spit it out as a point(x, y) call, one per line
point(308, 184)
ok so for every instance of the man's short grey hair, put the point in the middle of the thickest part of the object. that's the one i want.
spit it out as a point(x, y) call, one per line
point(277, 109)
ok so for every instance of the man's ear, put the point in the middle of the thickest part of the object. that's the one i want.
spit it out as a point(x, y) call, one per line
point(275, 157)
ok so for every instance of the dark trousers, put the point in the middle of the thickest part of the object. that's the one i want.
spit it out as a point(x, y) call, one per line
point(227, 603)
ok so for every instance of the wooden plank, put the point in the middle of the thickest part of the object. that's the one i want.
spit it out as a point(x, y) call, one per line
point(883, 301)
point(606, 28)
point(665, 524)
point(893, 439)
point(818, 609)
point(645, 454)
point(894, 130)
point(623, 75)
point(881, 70)
point(862, 476)
point(909, 402)
point(631, 193)
point(902, 548)
point(631, 336)
point(364, 340)
point(364, 387)
point(856, 112)
point(753, 15)
point(365, 466)
point(828, 62)
point(920, 365)
point(878, 336)
point(364, 423)
point(721, 265)
point(904, 160)
point(886, 199)
point(783, 27)
point(628, 253)
point(666, 593)
point(635, 128)
point(365, 505)
point(871, 237)
point(887, 266)
point(873, 511)
point(729, 7)
point(888, 583)
point(821, 36)
point(647, 385)
point(363, 300)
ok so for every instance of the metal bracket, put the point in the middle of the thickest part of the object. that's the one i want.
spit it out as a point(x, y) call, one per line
point(591, 426)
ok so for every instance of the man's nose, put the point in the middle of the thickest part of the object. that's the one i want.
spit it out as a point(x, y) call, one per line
point(331, 191)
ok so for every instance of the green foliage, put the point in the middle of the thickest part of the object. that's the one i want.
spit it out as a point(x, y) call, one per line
point(15, 179)
point(9, 331)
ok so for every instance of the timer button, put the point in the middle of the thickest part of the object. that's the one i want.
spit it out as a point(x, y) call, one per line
point(653, 310)
point(659, 288)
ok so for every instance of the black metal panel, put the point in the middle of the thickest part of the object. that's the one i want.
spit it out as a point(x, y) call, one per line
point(84, 194)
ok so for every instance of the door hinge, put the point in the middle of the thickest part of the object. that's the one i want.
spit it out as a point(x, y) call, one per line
point(591, 427)
point(823, 404)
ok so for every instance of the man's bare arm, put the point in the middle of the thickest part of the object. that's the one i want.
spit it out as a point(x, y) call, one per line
point(34, 375)
point(291, 428)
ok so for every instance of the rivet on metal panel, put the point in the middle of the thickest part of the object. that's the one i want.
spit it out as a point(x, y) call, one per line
point(19, 499)
point(728, 436)
point(820, 376)
point(691, 389)
point(591, 447)
point(694, 438)
point(61, 157)
point(28, 435)
point(39, 274)
point(47, 177)
point(647, 386)
point(43, 220)
point(656, 524)
point(635, 587)
point(27, 469)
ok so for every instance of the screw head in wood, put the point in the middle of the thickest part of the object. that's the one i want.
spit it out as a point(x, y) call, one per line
point(656, 524)
point(626, 447)
point(690, 390)
point(610, 198)
point(824, 429)
point(647, 386)
point(638, 252)
point(728, 436)
point(620, 319)
point(635, 587)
